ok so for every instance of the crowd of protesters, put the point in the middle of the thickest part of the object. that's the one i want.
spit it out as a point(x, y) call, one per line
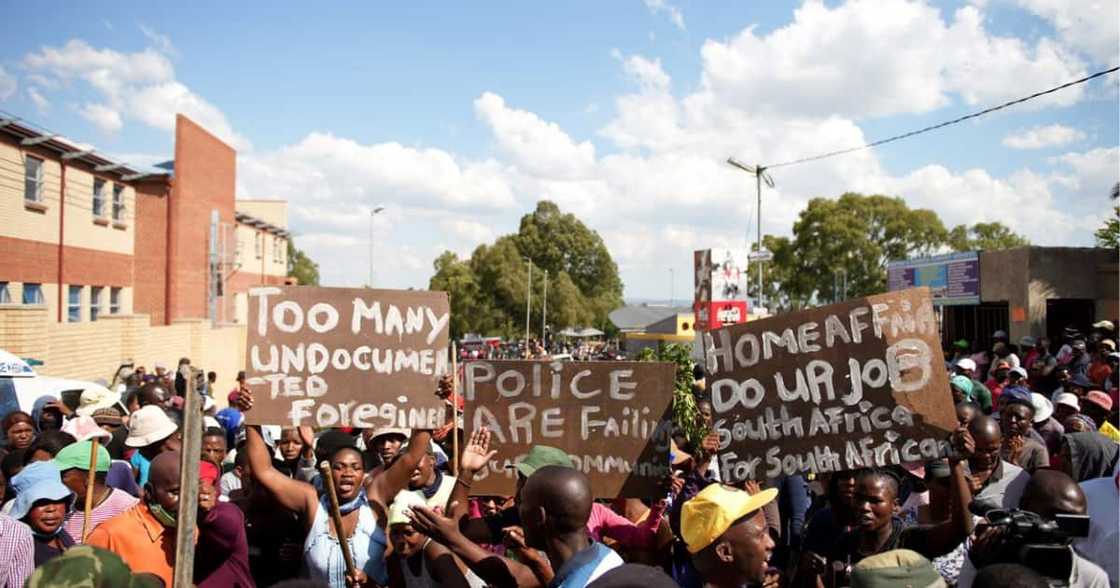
point(1027, 497)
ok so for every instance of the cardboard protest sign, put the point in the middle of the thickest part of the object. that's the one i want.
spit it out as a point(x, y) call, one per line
point(611, 417)
point(856, 384)
point(346, 357)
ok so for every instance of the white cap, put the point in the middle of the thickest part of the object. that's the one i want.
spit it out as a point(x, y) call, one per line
point(1103, 325)
point(1042, 407)
point(1069, 399)
point(1022, 373)
point(966, 364)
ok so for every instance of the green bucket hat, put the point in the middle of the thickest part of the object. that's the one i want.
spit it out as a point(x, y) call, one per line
point(540, 456)
point(76, 455)
point(900, 567)
point(89, 567)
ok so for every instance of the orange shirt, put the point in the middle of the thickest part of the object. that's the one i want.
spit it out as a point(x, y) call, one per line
point(141, 541)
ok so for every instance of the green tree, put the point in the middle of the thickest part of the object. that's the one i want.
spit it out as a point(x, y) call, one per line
point(1109, 233)
point(300, 266)
point(852, 237)
point(488, 290)
point(686, 415)
point(985, 237)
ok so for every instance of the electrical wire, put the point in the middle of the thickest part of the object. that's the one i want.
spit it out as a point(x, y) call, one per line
point(942, 125)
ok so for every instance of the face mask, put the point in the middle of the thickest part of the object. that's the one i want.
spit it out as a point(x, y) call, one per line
point(167, 519)
point(47, 536)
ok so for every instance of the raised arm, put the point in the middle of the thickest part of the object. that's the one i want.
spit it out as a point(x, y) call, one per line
point(291, 494)
point(383, 488)
point(493, 569)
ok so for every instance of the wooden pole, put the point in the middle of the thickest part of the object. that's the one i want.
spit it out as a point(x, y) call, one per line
point(454, 410)
point(336, 516)
point(188, 490)
point(93, 444)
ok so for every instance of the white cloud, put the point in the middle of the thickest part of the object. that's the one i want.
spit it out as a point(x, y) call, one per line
point(648, 74)
point(656, 7)
point(1043, 136)
point(160, 41)
point(140, 86)
point(875, 58)
point(41, 103)
point(658, 187)
point(8, 84)
point(104, 118)
point(537, 145)
point(1089, 26)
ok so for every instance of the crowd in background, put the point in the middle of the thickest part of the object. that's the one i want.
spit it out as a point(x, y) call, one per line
point(1027, 497)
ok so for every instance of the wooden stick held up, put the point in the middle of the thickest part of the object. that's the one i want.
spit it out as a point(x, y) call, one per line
point(93, 445)
point(454, 410)
point(336, 516)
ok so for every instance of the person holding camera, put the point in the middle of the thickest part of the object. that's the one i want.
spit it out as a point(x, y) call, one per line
point(1050, 515)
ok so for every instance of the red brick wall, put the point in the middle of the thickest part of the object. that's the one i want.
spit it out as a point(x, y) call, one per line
point(205, 175)
point(242, 281)
point(35, 261)
point(150, 273)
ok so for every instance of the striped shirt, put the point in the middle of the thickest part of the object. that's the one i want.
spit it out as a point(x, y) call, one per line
point(17, 553)
point(117, 502)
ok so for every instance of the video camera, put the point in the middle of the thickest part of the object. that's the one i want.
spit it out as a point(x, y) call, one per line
point(1038, 543)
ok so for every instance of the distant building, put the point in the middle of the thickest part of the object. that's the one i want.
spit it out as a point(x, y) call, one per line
point(1025, 291)
point(87, 239)
point(645, 326)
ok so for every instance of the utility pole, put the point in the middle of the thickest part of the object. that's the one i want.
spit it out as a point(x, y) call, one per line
point(672, 286)
point(544, 309)
point(528, 301)
point(760, 174)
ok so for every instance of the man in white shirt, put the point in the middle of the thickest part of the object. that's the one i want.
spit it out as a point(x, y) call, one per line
point(1102, 546)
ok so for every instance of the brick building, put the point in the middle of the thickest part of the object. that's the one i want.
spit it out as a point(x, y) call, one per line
point(86, 239)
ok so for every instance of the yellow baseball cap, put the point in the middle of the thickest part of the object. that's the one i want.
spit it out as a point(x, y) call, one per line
point(711, 513)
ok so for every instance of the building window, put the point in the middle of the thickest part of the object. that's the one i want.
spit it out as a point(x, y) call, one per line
point(276, 249)
point(32, 179)
point(118, 203)
point(114, 300)
point(98, 197)
point(259, 244)
point(240, 245)
point(74, 305)
point(32, 293)
point(95, 301)
point(5, 296)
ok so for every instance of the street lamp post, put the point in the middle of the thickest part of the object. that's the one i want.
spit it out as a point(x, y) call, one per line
point(372, 214)
point(759, 172)
point(672, 287)
point(528, 301)
point(544, 310)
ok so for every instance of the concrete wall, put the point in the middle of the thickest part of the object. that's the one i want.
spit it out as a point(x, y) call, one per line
point(1026, 277)
point(92, 350)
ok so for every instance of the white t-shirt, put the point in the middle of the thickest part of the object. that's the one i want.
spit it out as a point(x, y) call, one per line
point(1102, 546)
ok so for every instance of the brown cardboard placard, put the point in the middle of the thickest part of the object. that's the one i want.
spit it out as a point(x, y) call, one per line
point(346, 357)
point(611, 417)
point(838, 387)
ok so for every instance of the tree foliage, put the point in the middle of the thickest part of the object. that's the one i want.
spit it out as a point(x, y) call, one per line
point(686, 415)
point(851, 239)
point(488, 290)
point(1109, 233)
point(984, 237)
point(300, 266)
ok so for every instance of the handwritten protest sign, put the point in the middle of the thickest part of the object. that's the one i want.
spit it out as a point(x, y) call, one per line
point(346, 357)
point(611, 417)
point(849, 385)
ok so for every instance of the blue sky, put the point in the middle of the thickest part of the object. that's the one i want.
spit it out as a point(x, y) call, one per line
point(458, 117)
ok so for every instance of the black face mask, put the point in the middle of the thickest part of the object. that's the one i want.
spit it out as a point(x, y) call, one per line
point(1001, 374)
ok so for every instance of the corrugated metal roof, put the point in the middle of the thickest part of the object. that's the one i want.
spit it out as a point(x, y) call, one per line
point(640, 317)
